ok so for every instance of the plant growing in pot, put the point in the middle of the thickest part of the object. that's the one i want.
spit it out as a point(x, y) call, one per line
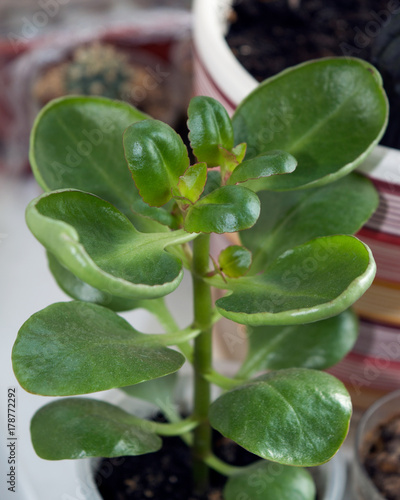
point(116, 244)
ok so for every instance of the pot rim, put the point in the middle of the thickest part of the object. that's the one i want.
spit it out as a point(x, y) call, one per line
point(330, 477)
point(210, 24)
point(332, 474)
point(234, 82)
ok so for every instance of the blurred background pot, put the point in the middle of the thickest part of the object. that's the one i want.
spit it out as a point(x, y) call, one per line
point(376, 468)
point(114, 49)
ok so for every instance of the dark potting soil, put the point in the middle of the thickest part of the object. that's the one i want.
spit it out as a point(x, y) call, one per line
point(382, 460)
point(268, 36)
point(166, 474)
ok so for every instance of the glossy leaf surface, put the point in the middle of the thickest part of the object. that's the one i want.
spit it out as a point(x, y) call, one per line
point(100, 246)
point(213, 182)
point(160, 214)
point(225, 210)
point(80, 428)
point(316, 345)
point(327, 113)
point(293, 218)
point(234, 261)
point(156, 157)
point(264, 166)
point(76, 142)
point(270, 481)
point(192, 182)
point(293, 417)
point(74, 348)
point(78, 289)
point(210, 127)
point(311, 282)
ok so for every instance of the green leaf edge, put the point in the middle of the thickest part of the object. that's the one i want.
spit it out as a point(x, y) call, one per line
point(308, 315)
point(86, 266)
point(58, 102)
point(346, 169)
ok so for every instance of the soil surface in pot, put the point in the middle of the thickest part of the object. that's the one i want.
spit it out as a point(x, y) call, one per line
point(166, 474)
point(382, 460)
point(267, 36)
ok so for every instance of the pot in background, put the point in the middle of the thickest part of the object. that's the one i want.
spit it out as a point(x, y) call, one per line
point(136, 55)
point(379, 413)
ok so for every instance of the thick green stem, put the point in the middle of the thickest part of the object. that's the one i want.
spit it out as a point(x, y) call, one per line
point(202, 361)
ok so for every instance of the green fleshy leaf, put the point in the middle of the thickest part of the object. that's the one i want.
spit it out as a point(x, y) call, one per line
point(162, 215)
point(240, 151)
point(293, 218)
point(329, 114)
point(316, 345)
point(159, 392)
point(100, 246)
point(81, 428)
point(192, 182)
point(76, 142)
point(225, 210)
point(156, 157)
point(213, 182)
point(79, 290)
point(264, 165)
point(210, 127)
point(311, 282)
point(265, 480)
point(294, 417)
point(234, 261)
point(74, 348)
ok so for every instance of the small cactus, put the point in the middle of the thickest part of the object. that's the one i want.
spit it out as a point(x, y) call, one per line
point(99, 69)
point(93, 69)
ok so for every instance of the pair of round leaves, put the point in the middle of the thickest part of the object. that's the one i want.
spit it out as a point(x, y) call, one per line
point(269, 416)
